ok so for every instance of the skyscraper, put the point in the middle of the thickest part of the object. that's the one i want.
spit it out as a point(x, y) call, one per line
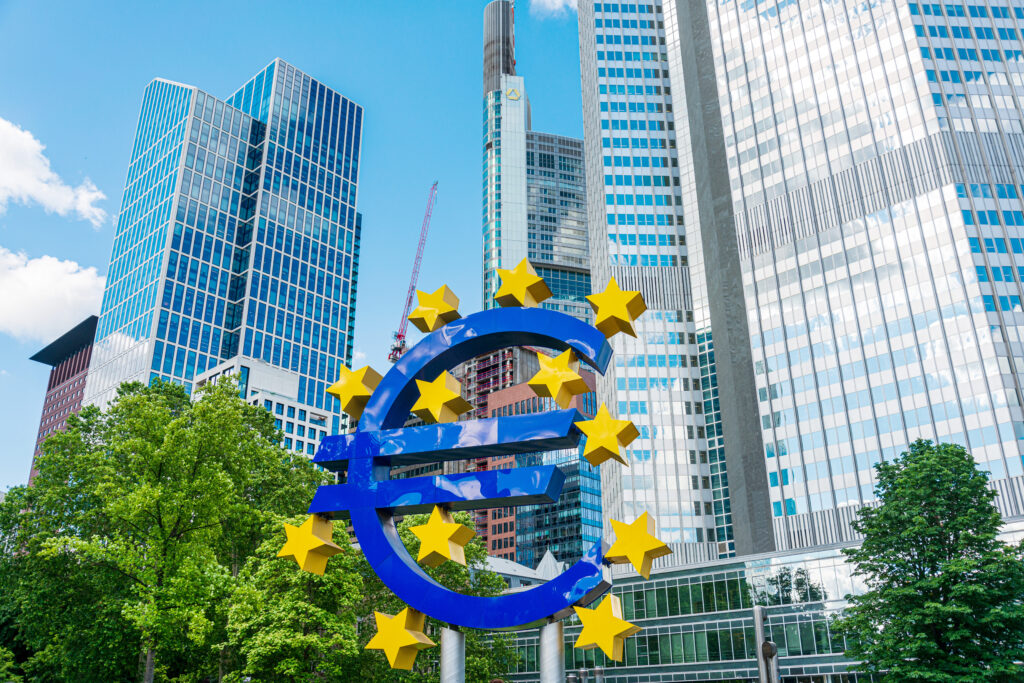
point(534, 192)
point(878, 216)
point(685, 399)
point(850, 183)
point(238, 237)
point(534, 208)
point(859, 175)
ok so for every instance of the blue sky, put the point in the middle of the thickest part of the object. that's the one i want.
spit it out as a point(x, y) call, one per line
point(69, 104)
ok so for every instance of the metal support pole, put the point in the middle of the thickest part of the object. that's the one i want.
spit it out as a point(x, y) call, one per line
point(760, 617)
point(453, 656)
point(552, 653)
point(598, 675)
point(774, 674)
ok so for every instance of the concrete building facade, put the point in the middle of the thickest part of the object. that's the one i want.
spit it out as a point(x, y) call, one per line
point(277, 390)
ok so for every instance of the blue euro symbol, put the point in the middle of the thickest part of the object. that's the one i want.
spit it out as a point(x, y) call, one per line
point(371, 499)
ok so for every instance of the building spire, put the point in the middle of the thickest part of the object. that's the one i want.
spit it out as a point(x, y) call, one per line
point(499, 43)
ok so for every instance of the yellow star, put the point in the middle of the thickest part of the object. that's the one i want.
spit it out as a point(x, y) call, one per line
point(559, 378)
point(605, 435)
point(436, 310)
point(635, 543)
point(605, 628)
point(310, 544)
point(441, 539)
point(440, 400)
point(521, 286)
point(353, 389)
point(401, 637)
point(615, 309)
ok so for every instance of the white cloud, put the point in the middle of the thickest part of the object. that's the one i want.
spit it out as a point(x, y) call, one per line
point(551, 8)
point(358, 357)
point(26, 177)
point(42, 298)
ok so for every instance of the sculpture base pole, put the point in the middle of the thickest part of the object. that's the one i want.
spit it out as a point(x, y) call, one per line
point(552, 653)
point(453, 656)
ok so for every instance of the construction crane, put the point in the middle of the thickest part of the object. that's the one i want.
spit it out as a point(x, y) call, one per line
point(398, 346)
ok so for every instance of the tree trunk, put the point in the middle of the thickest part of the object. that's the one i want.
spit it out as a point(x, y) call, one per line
point(147, 677)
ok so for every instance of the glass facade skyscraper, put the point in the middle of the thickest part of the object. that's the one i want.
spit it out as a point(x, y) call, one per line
point(858, 173)
point(534, 199)
point(848, 207)
point(667, 380)
point(876, 203)
point(238, 237)
point(534, 208)
point(556, 223)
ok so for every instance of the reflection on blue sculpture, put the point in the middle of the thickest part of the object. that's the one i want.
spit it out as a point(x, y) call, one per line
point(371, 499)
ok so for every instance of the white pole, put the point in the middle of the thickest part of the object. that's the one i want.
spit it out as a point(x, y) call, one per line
point(453, 656)
point(552, 653)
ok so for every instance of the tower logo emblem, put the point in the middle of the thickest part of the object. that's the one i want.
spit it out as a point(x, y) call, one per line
point(512, 94)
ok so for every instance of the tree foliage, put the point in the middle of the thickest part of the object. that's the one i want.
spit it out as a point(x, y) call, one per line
point(136, 524)
point(944, 595)
point(488, 655)
point(8, 670)
point(289, 625)
point(146, 550)
point(295, 626)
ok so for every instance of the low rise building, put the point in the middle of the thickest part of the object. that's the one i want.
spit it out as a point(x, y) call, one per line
point(277, 390)
point(697, 621)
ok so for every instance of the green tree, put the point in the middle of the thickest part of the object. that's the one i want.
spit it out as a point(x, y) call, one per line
point(8, 670)
point(489, 655)
point(59, 613)
point(290, 625)
point(147, 549)
point(121, 556)
point(944, 595)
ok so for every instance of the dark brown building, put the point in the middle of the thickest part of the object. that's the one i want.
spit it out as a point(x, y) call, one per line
point(498, 526)
point(68, 356)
